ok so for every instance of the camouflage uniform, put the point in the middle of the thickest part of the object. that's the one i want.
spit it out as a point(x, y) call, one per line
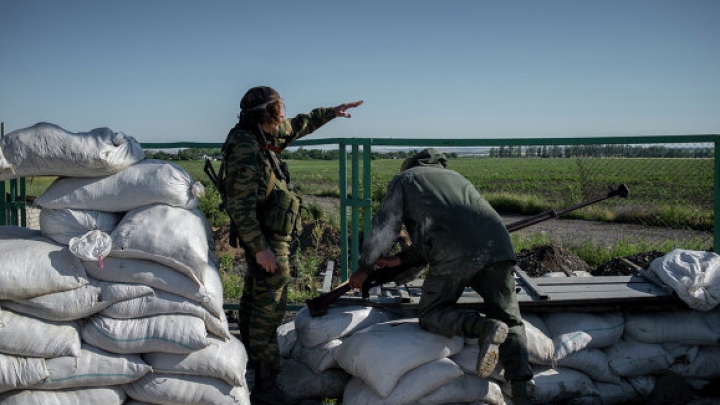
point(464, 241)
point(248, 173)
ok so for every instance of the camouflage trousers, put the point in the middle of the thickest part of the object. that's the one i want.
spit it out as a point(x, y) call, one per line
point(260, 311)
point(438, 313)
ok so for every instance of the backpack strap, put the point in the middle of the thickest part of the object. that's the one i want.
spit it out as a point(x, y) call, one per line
point(271, 184)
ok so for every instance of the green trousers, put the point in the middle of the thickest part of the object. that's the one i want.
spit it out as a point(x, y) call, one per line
point(439, 314)
point(262, 312)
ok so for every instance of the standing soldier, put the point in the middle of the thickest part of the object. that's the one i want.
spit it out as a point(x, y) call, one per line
point(454, 229)
point(266, 217)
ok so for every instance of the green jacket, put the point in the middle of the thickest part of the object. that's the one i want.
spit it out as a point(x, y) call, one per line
point(249, 168)
point(445, 216)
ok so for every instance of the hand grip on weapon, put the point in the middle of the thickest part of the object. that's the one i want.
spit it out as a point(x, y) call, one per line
point(341, 110)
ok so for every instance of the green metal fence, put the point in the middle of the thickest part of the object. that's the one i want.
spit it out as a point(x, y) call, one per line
point(12, 203)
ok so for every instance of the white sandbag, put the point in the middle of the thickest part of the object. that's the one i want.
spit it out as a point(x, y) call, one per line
point(223, 359)
point(93, 246)
point(31, 337)
point(286, 338)
point(467, 357)
point(161, 277)
point(615, 394)
point(172, 236)
point(20, 372)
point(574, 331)
point(705, 365)
point(111, 395)
point(318, 358)
point(673, 326)
point(466, 389)
point(414, 385)
point(61, 225)
point(336, 323)
point(147, 182)
point(94, 367)
point(592, 362)
point(78, 303)
point(555, 384)
point(630, 358)
point(186, 390)
point(36, 266)
point(541, 349)
point(17, 232)
point(299, 382)
point(693, 275)
point(165, 303)
point(48, 150)
point(175, 333)
point(398, 346)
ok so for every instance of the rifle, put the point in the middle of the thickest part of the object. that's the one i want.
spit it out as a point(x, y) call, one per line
point(258, 271)
point(279, 168)
point(318, 306)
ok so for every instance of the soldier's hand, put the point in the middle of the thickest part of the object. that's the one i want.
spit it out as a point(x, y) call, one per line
point(266, 260)
point(357, 279)
point(388, 262)
point(341, 110)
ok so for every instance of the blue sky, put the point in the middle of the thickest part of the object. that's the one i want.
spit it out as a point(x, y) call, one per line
point(175, 70)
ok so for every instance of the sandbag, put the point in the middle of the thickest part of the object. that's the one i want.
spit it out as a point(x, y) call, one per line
point(693, 275)
point(551, 385)
point(94, 367)
point(318, 358)
point(414, 385)
point(630, 358)
point(78, 303)
point(20, 372)
point(111, 395)
point(36, 266)
point(223, 359)
point(466, 389)
point(48, 150)
point(161, 277)
point(614, 394)
point(298, 382)
point(31, 337)
point(705, 365)
point(541, 349)
point(574, 331)
point(186, 390)
point(286, 338)
point(399, 346)
point(150, 181)
point(673, 326)
point(172, 236)
point(592, 362)
point(174, 333)
point(336, 323)
point(61, 225)
point(165, 303)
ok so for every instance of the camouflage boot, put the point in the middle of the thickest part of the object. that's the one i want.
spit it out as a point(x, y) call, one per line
point(494, 334)
point(519, 392)
point(265, 391)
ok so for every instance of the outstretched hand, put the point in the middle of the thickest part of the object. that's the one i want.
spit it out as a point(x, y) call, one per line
point(341, 110)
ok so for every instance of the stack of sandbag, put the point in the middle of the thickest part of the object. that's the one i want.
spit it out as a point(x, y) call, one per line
point(608, 358)
point(144, 320)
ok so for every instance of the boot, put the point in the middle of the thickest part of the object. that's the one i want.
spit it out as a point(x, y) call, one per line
point(494, 334)
point(265, 391)
point(519, 392)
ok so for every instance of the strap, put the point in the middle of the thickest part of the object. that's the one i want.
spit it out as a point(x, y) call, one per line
point(271, 184)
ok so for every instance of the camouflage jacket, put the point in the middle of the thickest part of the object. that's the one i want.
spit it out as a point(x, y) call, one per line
point(248, 170)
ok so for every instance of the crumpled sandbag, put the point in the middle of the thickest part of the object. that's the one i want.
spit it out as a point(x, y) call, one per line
point(48, 150)
point(109, 395)
point(26, 336)
point(64, 224)
point(148, 182)
point(179, 389)
point(693, 275)
point(20, 372)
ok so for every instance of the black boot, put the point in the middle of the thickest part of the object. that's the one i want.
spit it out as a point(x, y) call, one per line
point(265, 390)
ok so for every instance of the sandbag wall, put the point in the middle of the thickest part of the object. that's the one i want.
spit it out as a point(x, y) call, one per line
point(367, 355)
point(146, 322)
